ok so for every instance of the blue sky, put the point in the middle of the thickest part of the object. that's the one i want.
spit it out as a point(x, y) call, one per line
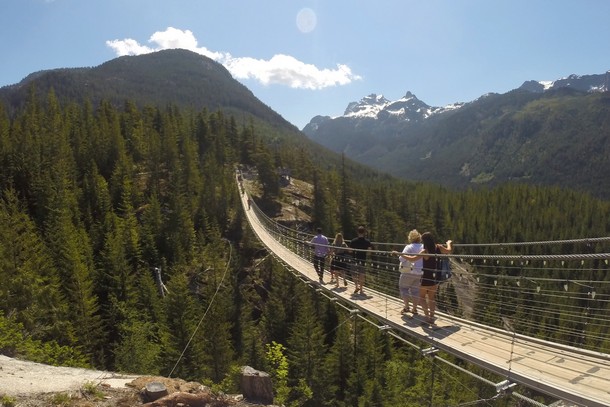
point(313, 57)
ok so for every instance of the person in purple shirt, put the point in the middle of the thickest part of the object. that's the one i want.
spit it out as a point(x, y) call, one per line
point(320, 251)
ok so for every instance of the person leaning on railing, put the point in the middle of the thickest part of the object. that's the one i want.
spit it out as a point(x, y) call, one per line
point(410, 272)
point(429, 280)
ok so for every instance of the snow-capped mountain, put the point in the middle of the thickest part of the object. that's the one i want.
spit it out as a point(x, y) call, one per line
point(407, 108)
point(526, 135)
point(375, 111)
point(410, 109)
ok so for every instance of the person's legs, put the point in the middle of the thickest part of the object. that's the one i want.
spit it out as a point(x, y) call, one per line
point(358, 278)
point(405, 294)
point(405, 286)
point(423, 293)
point(432, 301)
point(340, 272)
point(416, 288)
point(414, 282)
point(318, 265)
point(335, 273)
point(361, 279)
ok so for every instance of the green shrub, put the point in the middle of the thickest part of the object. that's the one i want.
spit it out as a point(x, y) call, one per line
point(8, 401)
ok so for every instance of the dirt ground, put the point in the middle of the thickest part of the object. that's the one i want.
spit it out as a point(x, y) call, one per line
point(29, 384)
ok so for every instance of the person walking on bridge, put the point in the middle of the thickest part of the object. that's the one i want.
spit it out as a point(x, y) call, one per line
point(360, 245)
point(338, 263)
point(321, 248)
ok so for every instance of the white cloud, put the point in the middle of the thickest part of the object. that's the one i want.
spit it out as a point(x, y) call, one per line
point(289, 71)
point(280, 69)
point(168, 39)
point(128, 47)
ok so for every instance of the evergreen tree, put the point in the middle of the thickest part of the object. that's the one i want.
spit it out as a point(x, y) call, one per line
point(217, 296)
point(268, 176)
point(280, 310)
point(306, 351)
point(74, 261)
point(182, 343)
point(340, 362)
point(31, 288)
point(345, 209)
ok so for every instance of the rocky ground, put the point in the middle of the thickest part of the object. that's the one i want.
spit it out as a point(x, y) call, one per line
point(29, 384)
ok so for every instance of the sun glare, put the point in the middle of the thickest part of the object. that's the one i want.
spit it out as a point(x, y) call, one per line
point(306, 20)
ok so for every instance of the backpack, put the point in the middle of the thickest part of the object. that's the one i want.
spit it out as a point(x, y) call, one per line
point(443, 267)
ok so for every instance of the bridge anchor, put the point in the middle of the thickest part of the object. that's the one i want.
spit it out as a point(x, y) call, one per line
point(429, 351)
point(505, 386)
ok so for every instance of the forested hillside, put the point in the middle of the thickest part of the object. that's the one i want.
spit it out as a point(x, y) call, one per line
point(556, 138)
point(95, 199)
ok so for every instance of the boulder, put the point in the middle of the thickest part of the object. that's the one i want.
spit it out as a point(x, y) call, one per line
point(256, 386)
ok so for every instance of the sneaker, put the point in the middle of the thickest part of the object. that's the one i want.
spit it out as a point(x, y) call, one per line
point(404, 311)
point(356, 291)
point(321, 281)
point(345, 282)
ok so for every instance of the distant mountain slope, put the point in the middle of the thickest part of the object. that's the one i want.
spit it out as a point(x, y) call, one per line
point(549, 133)
point(173, 76)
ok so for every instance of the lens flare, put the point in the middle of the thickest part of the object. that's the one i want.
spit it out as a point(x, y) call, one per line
point(306, 20)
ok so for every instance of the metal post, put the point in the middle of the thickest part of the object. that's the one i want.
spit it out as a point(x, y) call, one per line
point(431, 396)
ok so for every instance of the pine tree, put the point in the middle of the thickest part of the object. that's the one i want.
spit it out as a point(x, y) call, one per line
point(340, 361)
point(280, 310)
point(182, 351)
point(307, 351)
point(74, 261)
point(217, 296)
point(31, 288)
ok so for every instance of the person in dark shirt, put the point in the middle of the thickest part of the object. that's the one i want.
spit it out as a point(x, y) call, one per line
point(430, 278)
point(360, 246)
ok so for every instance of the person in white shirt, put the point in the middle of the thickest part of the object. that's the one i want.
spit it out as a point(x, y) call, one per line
point(410, 272)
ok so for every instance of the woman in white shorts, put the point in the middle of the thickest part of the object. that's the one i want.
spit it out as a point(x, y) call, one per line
point(410, 272)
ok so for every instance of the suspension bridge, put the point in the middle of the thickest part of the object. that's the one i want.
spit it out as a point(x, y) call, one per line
point(488, 334)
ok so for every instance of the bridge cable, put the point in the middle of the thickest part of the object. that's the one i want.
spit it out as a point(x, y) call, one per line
point(207, 309)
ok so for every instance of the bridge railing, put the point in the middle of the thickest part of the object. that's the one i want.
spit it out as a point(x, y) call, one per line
point(564, 298)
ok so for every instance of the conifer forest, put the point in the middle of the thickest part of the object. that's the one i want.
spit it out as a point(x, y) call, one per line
point(123, 247)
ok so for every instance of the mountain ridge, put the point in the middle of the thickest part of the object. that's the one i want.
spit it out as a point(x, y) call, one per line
point(485, 141)
point(181, 77)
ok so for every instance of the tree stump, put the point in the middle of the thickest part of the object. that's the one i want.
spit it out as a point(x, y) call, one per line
point(256, 386)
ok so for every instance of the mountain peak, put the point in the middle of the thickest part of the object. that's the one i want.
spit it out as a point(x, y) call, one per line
point(368, 106)
point(584, 83)
point(407, 108)
point(168, 77)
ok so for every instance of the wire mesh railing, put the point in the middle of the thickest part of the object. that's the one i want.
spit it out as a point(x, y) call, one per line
point(563, 298)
